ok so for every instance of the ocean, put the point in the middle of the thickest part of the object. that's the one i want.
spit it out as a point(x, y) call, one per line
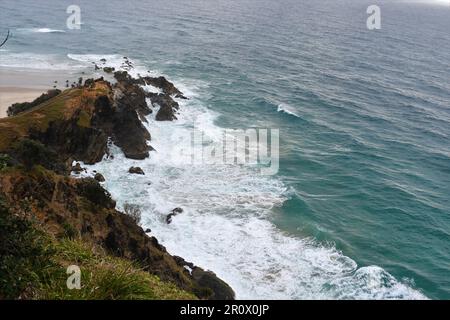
point(360, 207)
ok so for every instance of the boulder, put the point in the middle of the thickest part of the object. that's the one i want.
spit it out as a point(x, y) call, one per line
point(167, 106)
point(174, 212)
point(208, 279)
point(108, 69)
point(165, 85)
point(99, 177)
point(136, 170)
point(77, 168)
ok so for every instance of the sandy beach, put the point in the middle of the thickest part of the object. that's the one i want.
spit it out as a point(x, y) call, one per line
point(10, 95)
point(27, 85)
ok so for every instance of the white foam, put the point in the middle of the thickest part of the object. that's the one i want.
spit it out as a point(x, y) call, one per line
point(47, 30)
point(226, 224)
point(41, 30)
point(27, 60)
point(282, 107)
point(116, 61)
point(430, 2)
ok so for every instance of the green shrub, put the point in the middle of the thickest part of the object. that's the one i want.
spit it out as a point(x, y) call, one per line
point(107, 278)
point(95, 193)
point(25, 256)
point(31, 153)
point(69, 231)
point(5, 161)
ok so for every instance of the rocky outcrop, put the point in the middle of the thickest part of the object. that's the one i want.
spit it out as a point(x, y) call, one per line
point(174, 212)
point(82, 206)
point(165, 85)
point(128, 92)
point(42, 145)
point(108, 113)
point(70, 140)
point(220, 290)
point(99, 177)
point(167, 107)
point(164, 100)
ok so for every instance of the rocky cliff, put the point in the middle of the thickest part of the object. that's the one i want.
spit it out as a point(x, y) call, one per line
point(38, 145)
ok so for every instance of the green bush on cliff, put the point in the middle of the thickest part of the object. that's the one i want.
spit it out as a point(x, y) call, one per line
point(4, 161)
point(31, 153)
point(95, 193)
point(33, 266)
point(25, 257)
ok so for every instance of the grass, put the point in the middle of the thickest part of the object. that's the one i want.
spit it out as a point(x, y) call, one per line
point(33, 266)
point(61, 107)
point(104, 277)
point(38, 118)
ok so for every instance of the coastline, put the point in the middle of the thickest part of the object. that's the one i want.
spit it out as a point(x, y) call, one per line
point(135, 152)
point(61, 129)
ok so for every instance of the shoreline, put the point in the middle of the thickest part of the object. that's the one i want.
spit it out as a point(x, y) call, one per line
point(25, 85)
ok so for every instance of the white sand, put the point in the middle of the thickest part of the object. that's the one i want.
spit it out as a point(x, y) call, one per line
point(27, 85)
point(10, 95)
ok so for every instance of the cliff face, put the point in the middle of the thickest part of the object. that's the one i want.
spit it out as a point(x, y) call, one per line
point(38, 146)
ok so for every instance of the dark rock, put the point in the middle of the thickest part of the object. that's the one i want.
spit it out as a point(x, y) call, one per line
point(181, 262)
point(180, 96)
point(103, 60)
point(77, 168)
point(174, 212)
point(70, 140)
point(95, 193)
point(177, 210)
point(136, 170)
point(207, 279)
point(165, 85)
point(89, 83)
point(130, 93)
point(99, 177)
point(148, 230)
point(128, 131)
point(108, 69)
point(130, 134)
point(167, 106)
point(208, 284)
point(169, 218)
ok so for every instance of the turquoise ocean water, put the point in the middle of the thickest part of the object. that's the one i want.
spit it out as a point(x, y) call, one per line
point(361, 205)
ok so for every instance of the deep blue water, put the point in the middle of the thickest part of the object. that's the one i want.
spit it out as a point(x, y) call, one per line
point(365, 152)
